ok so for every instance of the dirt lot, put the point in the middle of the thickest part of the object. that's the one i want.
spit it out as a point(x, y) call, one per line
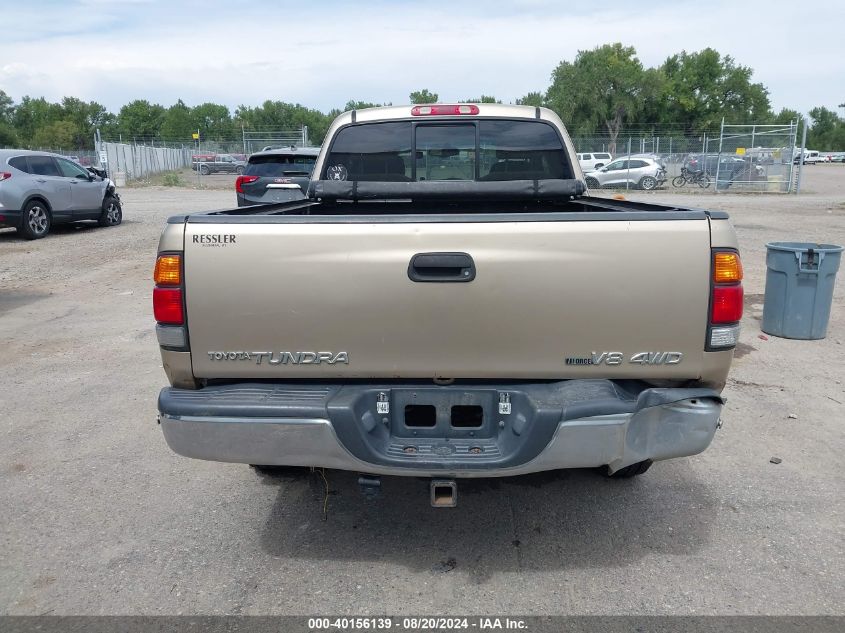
point(99, 517)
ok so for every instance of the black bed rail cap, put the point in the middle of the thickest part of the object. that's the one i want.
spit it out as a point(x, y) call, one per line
point(550, 189)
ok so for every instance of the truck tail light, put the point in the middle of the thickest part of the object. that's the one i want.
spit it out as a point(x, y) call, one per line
point(726, 304)
point(726, 297)
point(169, 303)
point(167, 306)
point(243, 180)
point(168, 270)
point(441, 109)
point(727, 268)
point(5, 175)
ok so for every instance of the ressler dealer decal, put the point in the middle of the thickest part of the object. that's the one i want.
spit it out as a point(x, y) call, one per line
point(214, 240)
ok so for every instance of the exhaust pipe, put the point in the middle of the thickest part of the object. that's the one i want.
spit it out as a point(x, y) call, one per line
point(444, 493)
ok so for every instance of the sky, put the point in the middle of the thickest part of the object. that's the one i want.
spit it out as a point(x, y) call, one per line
point(323, 53)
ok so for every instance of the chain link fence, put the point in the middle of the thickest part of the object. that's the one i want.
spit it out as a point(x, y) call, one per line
point(736, 158)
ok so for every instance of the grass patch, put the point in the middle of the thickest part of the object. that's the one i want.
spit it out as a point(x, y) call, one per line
point(172, 179)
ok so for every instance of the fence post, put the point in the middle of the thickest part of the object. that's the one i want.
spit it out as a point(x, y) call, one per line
point(718, 156)
point(628, 173)
point(801, 157)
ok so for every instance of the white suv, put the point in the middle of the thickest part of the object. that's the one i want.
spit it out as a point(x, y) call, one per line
point(589, 162)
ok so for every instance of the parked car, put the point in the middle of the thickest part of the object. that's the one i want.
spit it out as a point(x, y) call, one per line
point(811, 157)
point(218, 164)
point(837, 157)
point(589, 162)
point(276, 176)
point(39, 189)
point(641, 173)
point(727, 164)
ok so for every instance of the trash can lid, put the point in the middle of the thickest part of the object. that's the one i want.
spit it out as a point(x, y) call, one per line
point(800, 247)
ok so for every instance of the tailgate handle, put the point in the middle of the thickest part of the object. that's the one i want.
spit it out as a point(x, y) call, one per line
point(441, 267)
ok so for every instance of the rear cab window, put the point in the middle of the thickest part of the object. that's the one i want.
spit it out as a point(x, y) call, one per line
point(481, 149)
point(280, 165)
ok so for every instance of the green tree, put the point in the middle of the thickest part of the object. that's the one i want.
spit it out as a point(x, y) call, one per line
point(213, 120)
point(423, 96)
point(177, 124)
point(7, 110)
point(58, 135)
point(827, 130)
point(536, 99)
point(7, 107)
point(278, 115)
point(32, 114)
point(140, 119)
point(481, 99)
point(601, 88)
point(361, 105)
point(786, 116)
point(704, 87)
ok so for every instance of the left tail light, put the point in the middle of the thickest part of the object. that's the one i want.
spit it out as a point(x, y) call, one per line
point(5, 175)
point(169, 301)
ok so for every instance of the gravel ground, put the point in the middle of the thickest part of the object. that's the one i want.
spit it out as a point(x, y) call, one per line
point(99, 517)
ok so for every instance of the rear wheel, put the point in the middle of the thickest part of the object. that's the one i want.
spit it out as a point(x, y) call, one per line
point(704, 181)
point(648, 183)
point(592, 183)
point(204, 170)
point(112, 214)
point(631, 471)
point(35, 220)
point(239, 170)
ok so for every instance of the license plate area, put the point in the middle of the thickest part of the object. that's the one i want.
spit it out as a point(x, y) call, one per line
point(443, 413)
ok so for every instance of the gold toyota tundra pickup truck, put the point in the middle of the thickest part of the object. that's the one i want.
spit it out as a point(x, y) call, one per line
point(447, 302)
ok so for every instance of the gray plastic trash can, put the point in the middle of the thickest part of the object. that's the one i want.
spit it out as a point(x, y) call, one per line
point(799, 288)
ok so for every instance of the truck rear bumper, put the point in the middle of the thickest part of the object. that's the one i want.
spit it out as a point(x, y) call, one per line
point(567, 424)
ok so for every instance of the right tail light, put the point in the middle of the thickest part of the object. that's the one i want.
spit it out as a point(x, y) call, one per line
point(726, 297)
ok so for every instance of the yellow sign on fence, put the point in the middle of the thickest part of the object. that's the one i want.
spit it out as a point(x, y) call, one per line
point(195, 136)
point(740, 151)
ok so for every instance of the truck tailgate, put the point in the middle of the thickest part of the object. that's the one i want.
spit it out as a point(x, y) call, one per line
point(550, 299)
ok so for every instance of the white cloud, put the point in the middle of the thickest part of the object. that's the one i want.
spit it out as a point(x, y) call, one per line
point(325, 53)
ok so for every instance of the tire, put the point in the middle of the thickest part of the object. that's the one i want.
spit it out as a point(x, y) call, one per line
point(703, 181)
point(592, 183)
point(112, 214)
point(679, 181)
point(203, 170)
point(35, 220)
point(631, 471)
point(239, 170)
point(647, 183)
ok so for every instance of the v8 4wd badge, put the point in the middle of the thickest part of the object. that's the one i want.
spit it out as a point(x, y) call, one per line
point(617, 358)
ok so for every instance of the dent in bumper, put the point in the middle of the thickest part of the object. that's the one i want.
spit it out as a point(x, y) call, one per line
point(657, 433)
